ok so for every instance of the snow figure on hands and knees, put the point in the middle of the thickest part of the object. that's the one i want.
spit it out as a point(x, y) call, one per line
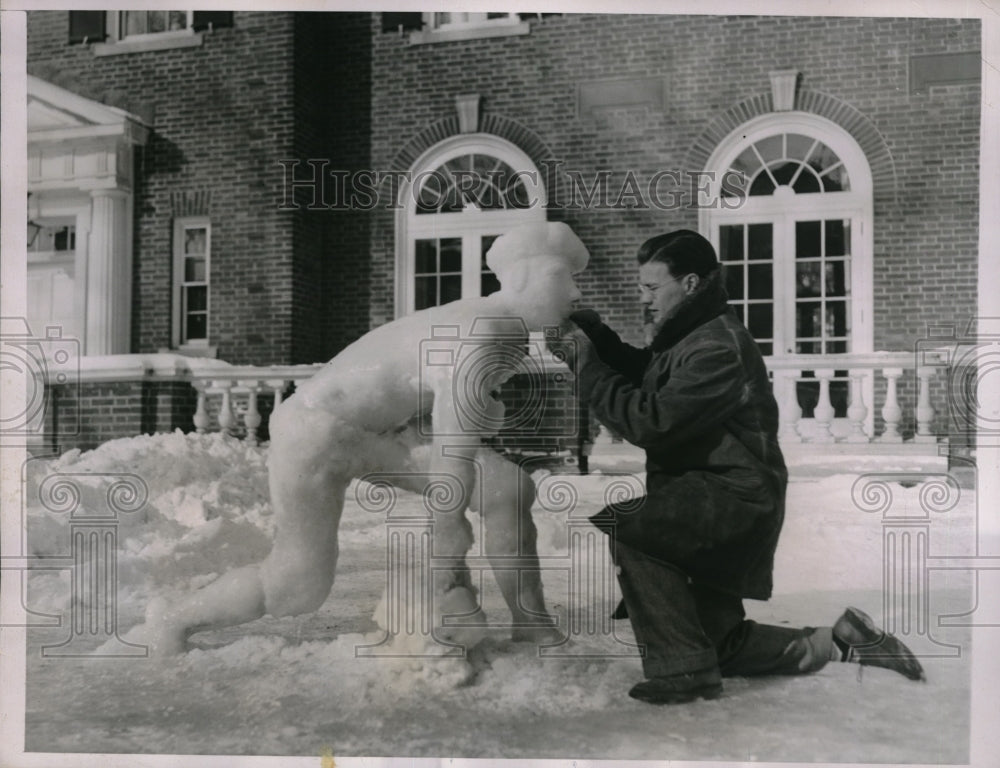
point(361, 414)
point(703, 537)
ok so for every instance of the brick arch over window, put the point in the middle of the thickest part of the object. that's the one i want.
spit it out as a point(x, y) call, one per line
point(497, 125)
point(862, 129)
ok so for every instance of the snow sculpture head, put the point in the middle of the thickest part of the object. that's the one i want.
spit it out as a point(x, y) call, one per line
point(535, 264)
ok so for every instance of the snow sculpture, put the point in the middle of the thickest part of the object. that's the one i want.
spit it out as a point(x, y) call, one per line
point(362, 413)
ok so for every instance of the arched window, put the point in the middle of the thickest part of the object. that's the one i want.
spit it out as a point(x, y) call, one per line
point(792, 222)
point(462, 194)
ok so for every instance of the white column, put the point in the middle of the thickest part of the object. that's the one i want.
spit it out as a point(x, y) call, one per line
point(109, 274)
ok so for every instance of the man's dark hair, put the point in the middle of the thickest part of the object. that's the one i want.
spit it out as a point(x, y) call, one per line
point(683, 251)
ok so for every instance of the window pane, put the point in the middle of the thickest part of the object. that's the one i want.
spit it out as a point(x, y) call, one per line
point(807, 347)
point(747, 162)
point(761, 245)
point(194, 270)
point(133, 22)
point(837, 276)
point(156, 21)
point(836, 347)
point(783, 173)
point(760, 320)
point(426, 256)
point(807, 183)
point(451, 254)
point(770, 148)
point(823, 158)
point(733, 274)
point(766, 347)
point(425, 292)
point(760, 280)
point(836, 318)
point(488, 282)
point(807, 239)
point(807, 279)
point(762, 185)
point(731, 243)
point(197, 327)
point(808, 317)
point(798, 146)
point(838, 237)
point(451, 288)
point(195, 240)
point(740, 312)
point(197, 298)
point(178, 19)
point(836, 180)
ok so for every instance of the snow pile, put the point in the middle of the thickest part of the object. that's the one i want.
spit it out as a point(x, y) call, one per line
point(207, 511)
point(328, 679)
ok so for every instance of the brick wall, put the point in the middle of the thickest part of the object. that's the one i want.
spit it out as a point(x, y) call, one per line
point(86, 415)
point(925, 240)
point(221, 116)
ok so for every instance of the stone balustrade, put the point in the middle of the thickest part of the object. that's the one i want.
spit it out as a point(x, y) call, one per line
point(863, 371)
point(239, 389)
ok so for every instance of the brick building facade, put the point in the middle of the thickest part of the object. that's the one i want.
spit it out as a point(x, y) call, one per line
point(595, 105)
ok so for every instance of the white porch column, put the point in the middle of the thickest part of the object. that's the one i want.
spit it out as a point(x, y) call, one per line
point(109, 274)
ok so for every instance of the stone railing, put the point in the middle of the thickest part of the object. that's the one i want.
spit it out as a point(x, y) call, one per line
point(863, 371)
point(239, 389)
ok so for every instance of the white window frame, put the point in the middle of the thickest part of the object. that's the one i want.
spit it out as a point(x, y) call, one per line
point(855, 204)
point(179, 283)
point(474, 25)
point(468, 224)
point(783, 208)
point(118, 43)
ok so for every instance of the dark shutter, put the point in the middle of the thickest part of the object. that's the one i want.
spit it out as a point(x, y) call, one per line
point(408, 21)
point(215, 19)
point(87, 25)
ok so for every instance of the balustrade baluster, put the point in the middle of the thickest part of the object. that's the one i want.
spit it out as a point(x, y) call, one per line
point(891, 411)
point(227, 419)
point(201, 412)
point(857, 411)
point(789, 410)
point(824, 412)
point(252, 417)
point(925, 411)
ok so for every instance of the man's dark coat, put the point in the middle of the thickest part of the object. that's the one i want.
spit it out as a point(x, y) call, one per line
point(699, 402)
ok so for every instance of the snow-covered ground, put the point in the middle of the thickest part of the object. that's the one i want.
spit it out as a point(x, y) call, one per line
point(316, 684)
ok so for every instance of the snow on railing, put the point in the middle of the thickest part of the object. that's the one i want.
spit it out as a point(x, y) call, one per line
point(862, 370)
point(239, 389)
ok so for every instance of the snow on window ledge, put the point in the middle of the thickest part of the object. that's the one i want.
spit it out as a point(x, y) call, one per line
point(489, 29)
point(158, 42)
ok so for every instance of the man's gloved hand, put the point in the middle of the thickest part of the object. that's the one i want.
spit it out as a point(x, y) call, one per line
point(573, 347)
point(587, 319)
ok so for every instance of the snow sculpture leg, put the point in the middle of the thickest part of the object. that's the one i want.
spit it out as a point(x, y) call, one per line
point(506, 495)
point(312, 457)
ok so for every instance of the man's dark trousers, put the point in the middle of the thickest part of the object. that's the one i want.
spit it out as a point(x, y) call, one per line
point(685, 627)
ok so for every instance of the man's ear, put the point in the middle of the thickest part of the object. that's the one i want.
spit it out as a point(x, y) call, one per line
point(691, 283)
